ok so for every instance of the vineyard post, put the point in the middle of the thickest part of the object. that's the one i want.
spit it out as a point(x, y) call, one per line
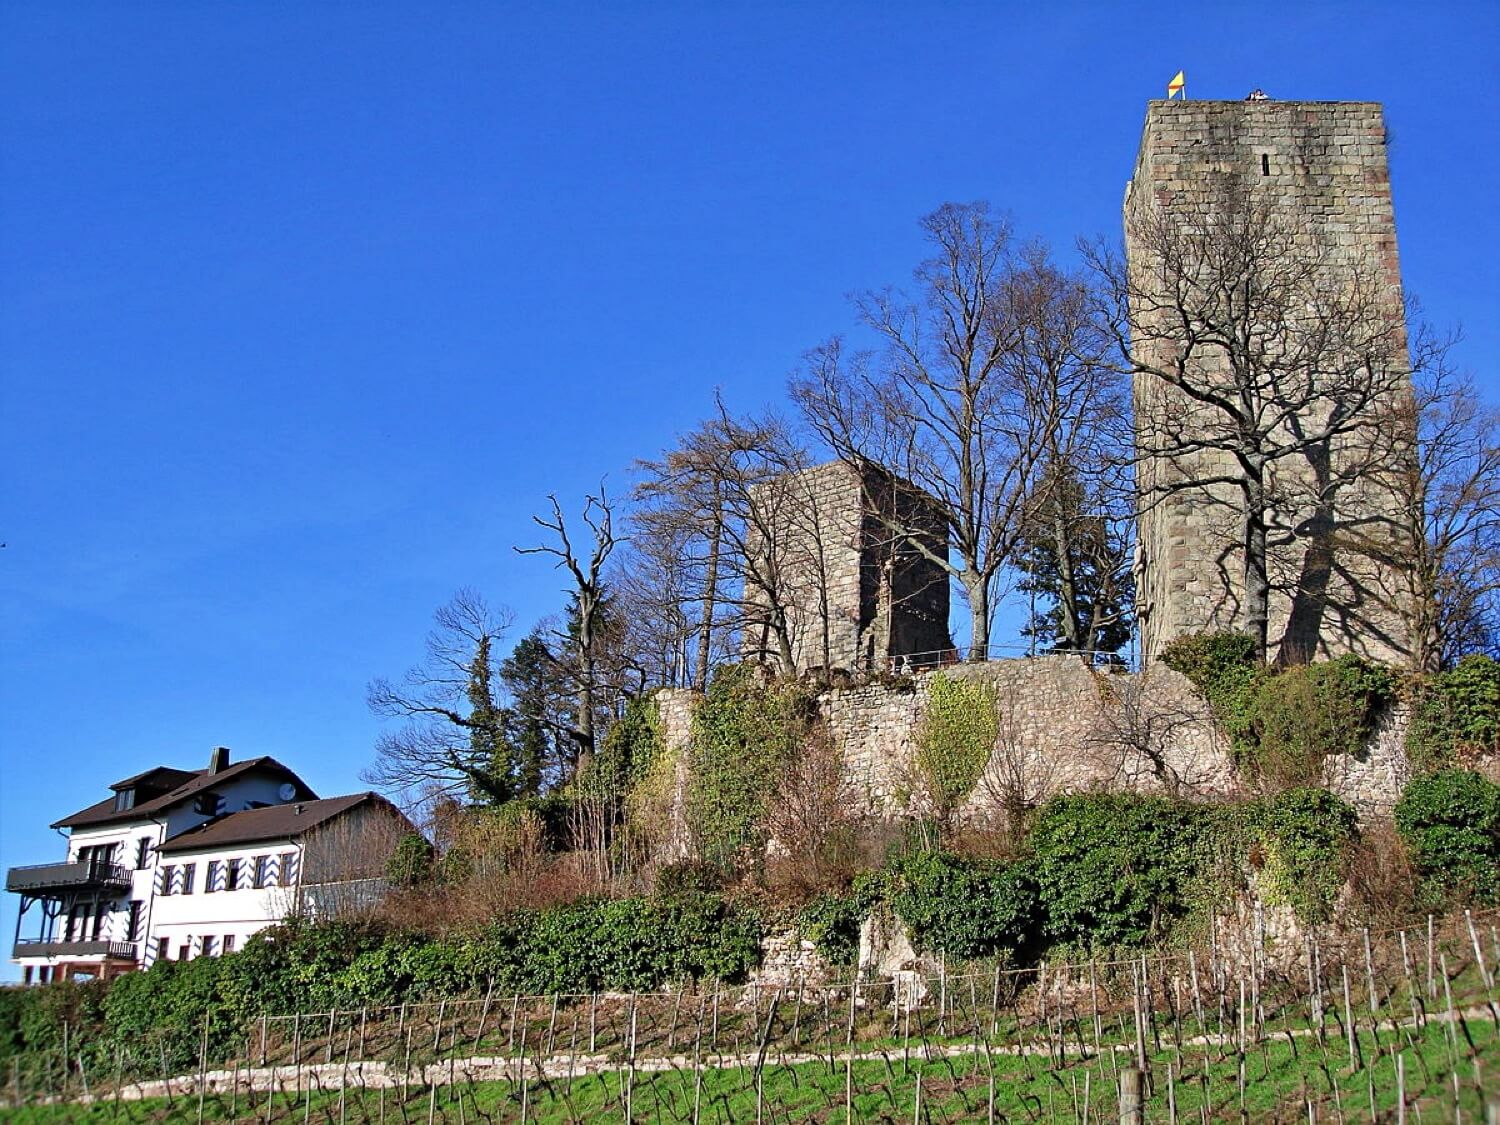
point(1431, 980)
point(1349, 1030)
point(484, 1015)
point(1484, 973)
point(1130, 1096)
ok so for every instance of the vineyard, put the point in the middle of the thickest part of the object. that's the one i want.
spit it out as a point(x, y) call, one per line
point(1395, 1026)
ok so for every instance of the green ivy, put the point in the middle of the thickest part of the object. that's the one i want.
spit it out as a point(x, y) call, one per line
point(956, 740)
point(1117, 869)
point(1305, 713)
point(744, 733)
point(1225, 669)
point(1450, 821)
point(963, 908)
point(627, 754)
point(1283, 722)
point(832, 922)
point(1455, 712)
point(1305, 837)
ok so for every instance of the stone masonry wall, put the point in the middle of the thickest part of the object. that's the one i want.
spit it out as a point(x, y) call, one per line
point(1064, 727)
point(1321, 168)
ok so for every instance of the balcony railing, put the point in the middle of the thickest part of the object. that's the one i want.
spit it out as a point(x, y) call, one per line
point(120, 950)
point(66, 876)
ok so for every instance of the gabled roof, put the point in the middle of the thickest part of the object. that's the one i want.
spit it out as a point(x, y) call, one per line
point(274, 822)
point(157, 777)
point(197, 781)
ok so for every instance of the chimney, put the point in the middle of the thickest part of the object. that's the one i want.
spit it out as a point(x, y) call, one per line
point(218, 761)
point(297, 810)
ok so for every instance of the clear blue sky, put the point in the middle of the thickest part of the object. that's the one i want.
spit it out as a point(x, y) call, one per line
point(305, 307)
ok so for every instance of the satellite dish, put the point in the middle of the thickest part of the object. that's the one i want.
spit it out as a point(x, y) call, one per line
point(287, 791)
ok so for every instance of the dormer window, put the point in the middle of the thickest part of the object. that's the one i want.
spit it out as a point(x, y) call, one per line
point(125, 799)
point(208, 804)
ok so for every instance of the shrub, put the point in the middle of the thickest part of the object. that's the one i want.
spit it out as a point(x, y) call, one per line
point(1305, 713)
point(1116, 869)
point(1451, 822)
point(1283, 722)
point(744, 732)
point(956, 740)
point(412, 861)
point(1456, 712)
point(961, 908)
point(1305, 837)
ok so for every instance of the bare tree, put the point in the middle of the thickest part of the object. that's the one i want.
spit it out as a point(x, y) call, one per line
point(1018, 777)
point(1267, 369)
point(1145, 729)
point(1451, 542)
point(985, 378)
point(452, 739)
point(588, 624)
point(735, 493)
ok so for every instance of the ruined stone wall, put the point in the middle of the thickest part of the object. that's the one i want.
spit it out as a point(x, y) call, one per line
point(1064, 727)
point(1321, 171)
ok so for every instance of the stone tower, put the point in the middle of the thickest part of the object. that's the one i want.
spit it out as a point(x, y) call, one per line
point(1317, 173)
point(854, 595)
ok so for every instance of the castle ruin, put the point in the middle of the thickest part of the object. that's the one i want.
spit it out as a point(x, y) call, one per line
point(851, 593)
point(1286, 208)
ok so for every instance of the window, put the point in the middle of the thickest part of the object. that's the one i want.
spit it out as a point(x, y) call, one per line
point(232, 875)
point(124, 799)
point(228, 943)
point(285, 868)
point(142, 853)
point(262, 871)
point(208, 946)
point(168, 877)
point(211, 876)
point(185, 949)
point(133, 925)
point(163, 949)
point(101, 911)
point(188, 871)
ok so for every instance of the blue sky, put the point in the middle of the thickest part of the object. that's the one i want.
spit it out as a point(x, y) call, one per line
point(305, 308)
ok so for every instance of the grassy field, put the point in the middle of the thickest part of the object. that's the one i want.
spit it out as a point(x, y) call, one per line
point(1283, 1077)
point(1403, 1019)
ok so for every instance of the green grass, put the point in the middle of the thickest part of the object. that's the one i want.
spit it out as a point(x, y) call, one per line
point(1281, 1076)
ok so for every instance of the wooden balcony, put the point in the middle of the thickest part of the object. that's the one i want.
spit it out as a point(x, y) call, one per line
point(44, 877)
point(110, 950)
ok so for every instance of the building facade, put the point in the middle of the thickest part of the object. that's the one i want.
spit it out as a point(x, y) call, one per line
point(186, 863)
point(1310, 180)
point(847, 553)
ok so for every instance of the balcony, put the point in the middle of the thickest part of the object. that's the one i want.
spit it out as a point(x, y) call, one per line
point(117, 950)
point(44, 877)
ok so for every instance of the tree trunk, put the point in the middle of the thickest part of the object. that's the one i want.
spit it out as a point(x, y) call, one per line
point(978, 590)
point(1067, 587)
point(1257, 579)
point(710, 594)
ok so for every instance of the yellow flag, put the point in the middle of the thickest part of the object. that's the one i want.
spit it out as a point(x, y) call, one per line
point(1176, 86)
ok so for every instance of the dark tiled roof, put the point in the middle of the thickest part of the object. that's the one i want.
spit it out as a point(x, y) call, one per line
point(274, 822)
point(198, 780)
point(160, 778)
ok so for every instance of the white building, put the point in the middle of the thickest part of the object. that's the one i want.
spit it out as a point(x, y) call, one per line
point(189, 863)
